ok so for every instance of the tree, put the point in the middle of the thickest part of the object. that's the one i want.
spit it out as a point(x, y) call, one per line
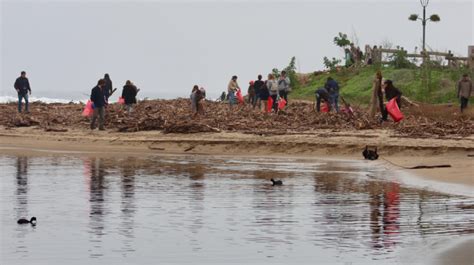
point(331, 64)
point(341, 40)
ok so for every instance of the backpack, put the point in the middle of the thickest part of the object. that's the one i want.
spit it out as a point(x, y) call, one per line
point(274, 86)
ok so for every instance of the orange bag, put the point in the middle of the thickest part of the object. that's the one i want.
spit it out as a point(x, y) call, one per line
point(393, 110)
point(269, 104)
point(89, 109)
point(121, 100)
point(281, 103)
point(240, 98)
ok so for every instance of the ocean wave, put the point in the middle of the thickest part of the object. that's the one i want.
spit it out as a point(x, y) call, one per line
point(9, 99)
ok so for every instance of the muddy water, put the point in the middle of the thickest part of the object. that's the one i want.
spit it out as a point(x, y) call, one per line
point(201, 210)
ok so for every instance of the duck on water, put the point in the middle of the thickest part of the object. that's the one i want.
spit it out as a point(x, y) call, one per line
point(276, 182)
point(23, 221)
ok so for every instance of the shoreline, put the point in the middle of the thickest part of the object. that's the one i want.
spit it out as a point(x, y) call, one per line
point(396, 153)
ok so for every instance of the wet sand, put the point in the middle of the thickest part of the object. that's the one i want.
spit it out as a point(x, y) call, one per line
point(459, 253)
point(395, 152)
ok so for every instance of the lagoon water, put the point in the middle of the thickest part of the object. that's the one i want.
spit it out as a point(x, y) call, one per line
point(201, 210)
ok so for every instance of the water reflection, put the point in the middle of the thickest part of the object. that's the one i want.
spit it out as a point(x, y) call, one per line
point(21, 208)
point(199, 210)
point(22, 186)
point(129, 169)
point(96, 181)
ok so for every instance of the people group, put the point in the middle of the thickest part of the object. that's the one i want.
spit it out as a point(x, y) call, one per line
point(100, 95)
point(260, 92)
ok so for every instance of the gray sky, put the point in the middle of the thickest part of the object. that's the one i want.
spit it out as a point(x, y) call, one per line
point(166, 47)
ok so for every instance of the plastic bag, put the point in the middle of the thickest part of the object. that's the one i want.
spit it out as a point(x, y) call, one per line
point(269, 104)
point(281, 103)
point(121, 100)
point(393, 110)
point(325, 107)
point(240, 98)
point(89, 109)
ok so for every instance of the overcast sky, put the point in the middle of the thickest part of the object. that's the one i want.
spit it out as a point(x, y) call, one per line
point(166, 47)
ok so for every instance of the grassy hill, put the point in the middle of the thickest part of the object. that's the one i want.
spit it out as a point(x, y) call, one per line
point(356, 85)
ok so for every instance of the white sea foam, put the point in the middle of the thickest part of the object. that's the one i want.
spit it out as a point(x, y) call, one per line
point(8, 99)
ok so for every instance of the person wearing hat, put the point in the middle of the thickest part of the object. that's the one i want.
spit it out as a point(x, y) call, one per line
point(22, 87)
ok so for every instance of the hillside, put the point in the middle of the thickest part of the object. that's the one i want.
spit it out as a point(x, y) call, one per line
point(356, 85)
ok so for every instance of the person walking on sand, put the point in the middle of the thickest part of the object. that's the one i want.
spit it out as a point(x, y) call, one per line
point(272, 86)
point(22, 87)
point(464, 91)
point(376, 100)
point(98, 99)
point(129, 94)
point(333, 88)
point(391, 92)
point(232, 89)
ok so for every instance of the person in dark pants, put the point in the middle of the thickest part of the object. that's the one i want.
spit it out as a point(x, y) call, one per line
point(129, 94)
point(333, 88)
point(321, 94)
point(258, 86)
point(22, 87)
point(390, 93)
point(272, 86)
point(464, 91)
point(251, 94)
point(98, 98)
point(108, 91)
point(284, 86)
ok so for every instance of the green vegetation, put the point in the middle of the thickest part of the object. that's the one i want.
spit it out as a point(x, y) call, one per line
point(356, 84)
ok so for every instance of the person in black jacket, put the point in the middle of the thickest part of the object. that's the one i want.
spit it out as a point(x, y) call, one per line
point(390, 93)
point(129, 94)
point(98, 98)
point(108, 91)
point(22, 87)
point(321, 94)
point(258, 86)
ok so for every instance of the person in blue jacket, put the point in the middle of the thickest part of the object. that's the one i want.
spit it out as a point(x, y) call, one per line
point(22, 87)
point(333, 88)
point(98, 98)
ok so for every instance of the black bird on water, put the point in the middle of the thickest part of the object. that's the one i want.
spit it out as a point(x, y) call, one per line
point(23, 221)
point(370, 154)
point(276, 182)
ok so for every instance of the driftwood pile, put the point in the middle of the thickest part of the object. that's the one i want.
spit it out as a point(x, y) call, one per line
point(174, 116)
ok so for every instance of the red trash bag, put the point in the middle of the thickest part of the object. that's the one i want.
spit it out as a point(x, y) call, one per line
point(121, 100)
point(88, 110)
point(281, 103)
point(325, 107)
point(393, 110)
point(269, 104)
point(240, 98)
